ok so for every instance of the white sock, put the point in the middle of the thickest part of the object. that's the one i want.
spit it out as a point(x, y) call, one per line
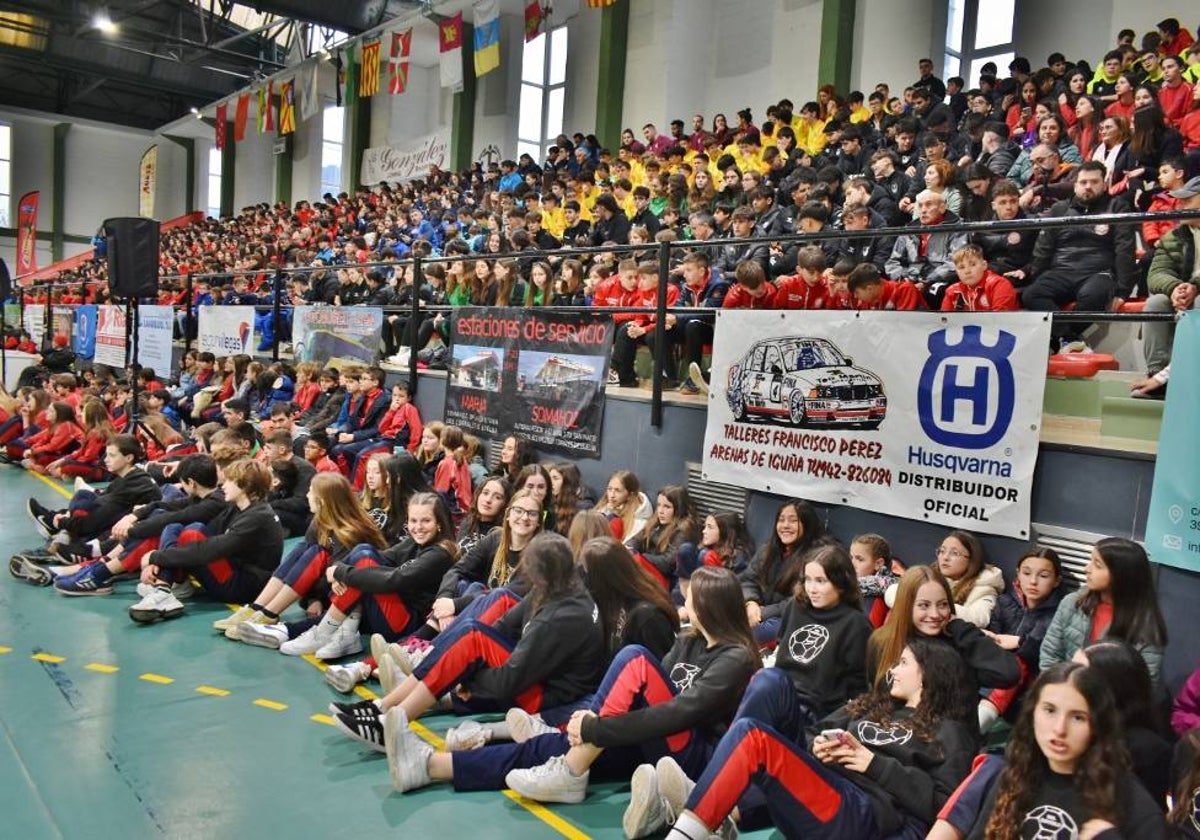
point(688, 827)
point(328, 621)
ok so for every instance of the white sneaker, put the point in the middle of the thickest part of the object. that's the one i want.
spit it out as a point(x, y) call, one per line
point(388, 673)
point(674, 788)
point(158, 605)
point(233, 619)
point(183, 591)
point(310, 641)
point(645, 814)
point(343, 678)
point(407, 754)
point(345, 640)
point(550, 782)
point(272, 636)
point(523, 726)
point(468, 735)
point(408, 659)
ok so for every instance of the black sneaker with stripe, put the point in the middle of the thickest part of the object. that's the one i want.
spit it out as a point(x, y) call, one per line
point(367, 730)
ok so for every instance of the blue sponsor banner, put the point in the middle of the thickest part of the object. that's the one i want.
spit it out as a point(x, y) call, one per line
point(1173, 528)
point(86, 317)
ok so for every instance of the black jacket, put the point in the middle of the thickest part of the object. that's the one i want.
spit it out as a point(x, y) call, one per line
point(1088, 249)
point(825, 653)
point(615, 229)
point(252, 538)
point(153, 518)
point(476, 567)
point(1007, 251)
point(1012, 618)
point(410, 570)
point(136, 487)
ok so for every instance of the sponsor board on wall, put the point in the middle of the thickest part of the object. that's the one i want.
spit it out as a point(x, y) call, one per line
point(921, 415)
point(225, 330)
point(156, 326)
point(110, 336)
point(403, 163)
point(534, 373)
point(337, 335)
point(1173, 525)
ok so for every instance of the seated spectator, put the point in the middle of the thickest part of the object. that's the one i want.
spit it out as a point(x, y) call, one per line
point(730, 256)
point(870, 291)
point(640, 330)
point(979, 289)
point(1007, 252)
point(925, 260)
point(998, 153)
point(1090, 266)
point(1051, 180)
point(807, 289)
point(1173, 281)
point(867, 248)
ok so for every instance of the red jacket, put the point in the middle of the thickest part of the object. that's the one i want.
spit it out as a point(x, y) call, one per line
point(898, 295)
point(612, 293)
point(453, 478)
point(92, 450)
point(1175, 102)
point(795, 293)
point(994, 293)
point(1189, 127)
point(305, 394)
point(1154, 230)
point(54, 440)
point(396, 419)
point(649, 299)
point(738, 297)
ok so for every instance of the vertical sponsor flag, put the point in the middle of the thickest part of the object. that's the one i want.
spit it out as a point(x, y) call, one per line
point(487, 36)
point(450, 43)
point(147, 182)
point(398, 66)
point(310, 96)
point(287, 106)
point(240, 117)
point(27, 211)
point(368, 75)
point(534, 15)
point(222, 116)
point(350, 73)
point(1173, 526)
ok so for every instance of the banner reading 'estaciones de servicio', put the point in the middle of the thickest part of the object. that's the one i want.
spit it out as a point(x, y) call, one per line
point(926, 416)
point(533, 373)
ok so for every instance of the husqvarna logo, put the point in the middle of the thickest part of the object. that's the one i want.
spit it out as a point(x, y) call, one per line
point(966, 393)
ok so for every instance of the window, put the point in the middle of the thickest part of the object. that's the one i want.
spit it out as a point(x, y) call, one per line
point(333, 134)
point(543, 93)
point(214, 182)
point(5, 175)
point(978, 31)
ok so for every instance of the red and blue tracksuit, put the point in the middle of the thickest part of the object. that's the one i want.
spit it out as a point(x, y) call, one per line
point(395, 587)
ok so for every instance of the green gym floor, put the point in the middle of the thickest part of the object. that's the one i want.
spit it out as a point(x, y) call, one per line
point(114, 730)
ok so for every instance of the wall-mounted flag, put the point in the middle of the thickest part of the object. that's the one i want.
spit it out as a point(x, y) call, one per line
point(487, 36)
point(398, 66)
point(368, 77)
point(450, 41)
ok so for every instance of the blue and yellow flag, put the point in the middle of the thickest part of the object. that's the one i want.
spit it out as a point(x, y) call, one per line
point(487, 36)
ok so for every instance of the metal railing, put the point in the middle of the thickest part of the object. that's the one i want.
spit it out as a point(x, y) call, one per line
point(663, 252)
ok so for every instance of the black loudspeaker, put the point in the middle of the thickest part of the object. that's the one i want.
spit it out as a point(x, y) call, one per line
point(5, 282)
point(132, 257)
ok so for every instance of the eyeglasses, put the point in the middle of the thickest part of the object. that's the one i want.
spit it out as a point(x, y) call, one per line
point(524, 513)
point(952, 553)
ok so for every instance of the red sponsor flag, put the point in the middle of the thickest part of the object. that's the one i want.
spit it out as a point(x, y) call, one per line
point(27, 210)
point(534, 15)
point(398, 66)
point(222, 116)
point(241, 115)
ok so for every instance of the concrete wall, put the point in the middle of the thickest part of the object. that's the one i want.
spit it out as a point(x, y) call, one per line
point(890, 36)
point(1043, 28)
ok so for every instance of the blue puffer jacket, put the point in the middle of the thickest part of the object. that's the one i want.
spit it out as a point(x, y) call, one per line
point(1069, 631)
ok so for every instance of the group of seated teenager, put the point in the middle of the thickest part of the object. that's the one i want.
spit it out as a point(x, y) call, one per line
point(1068, 139)
point(829, 689)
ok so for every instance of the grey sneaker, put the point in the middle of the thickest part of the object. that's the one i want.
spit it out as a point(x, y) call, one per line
point(674, 788)
point(645, 814)
point(159, 605)
point(468, 735)
point(550, 782)
point(523, 726)
point(408, 755)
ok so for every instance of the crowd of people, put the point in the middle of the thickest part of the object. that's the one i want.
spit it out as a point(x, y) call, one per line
point(798, 678)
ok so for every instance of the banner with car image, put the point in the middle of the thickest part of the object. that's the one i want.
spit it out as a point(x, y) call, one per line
point(337, 335)
point(533, 373)
point(928, 416)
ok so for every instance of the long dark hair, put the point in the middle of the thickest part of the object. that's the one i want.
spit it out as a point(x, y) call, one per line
point(943, 673)
point(549, 566)
point(472, 522)
point(1096, 771)
point(1136, 617)
point(566, 500)
point(617, 582)
point(1129, 678)
point(1188, 787)
point(834, 559)
point(441, 515)
point(684, 522)
point(775, 552)
point(733, 537)
point(1147, 128)
point(720, 609)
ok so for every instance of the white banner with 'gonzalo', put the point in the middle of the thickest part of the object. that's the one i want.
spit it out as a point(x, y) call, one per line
point(933, 417)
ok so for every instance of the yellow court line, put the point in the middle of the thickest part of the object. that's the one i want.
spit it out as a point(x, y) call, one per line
point(48, 657)
point(101, 668)
point(54, 485)
point(157, 678)
point(4, 650)
point(270, 704)
point(212, 692)
point(325, 719)
point(538, 810)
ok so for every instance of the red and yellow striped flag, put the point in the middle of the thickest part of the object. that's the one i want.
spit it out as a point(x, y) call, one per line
point(600, 4)
point(368, 74)
point(287, 106)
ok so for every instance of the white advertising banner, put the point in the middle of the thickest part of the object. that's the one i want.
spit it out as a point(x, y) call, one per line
point(156, 324)
point(35, 322)
point(110, 336)
point(403, 163)
point(225, 330)
point(922, 415)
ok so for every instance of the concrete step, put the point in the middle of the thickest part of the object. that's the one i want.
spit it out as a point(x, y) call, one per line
point(1124, 417)
point(1072, 397)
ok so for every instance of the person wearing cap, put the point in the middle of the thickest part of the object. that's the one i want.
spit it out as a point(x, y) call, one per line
point(611, 225)
point(1174, 280)
point(928, 81)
